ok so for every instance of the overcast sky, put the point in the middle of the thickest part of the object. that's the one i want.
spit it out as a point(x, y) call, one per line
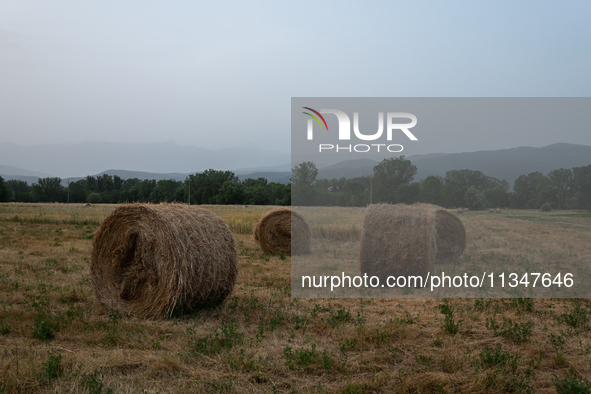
point(220, 74)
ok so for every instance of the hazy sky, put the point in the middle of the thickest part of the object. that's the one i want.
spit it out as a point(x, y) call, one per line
point(218, 74)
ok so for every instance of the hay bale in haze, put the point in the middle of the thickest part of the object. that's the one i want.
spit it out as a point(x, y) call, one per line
point(498, 210)
point(150, 259)
point(283, 230)
point(491, 210)
point(409, 239)
point(460, 210)
point(451, 236)
point(398, 240)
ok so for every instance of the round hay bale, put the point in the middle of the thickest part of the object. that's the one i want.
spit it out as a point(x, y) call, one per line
point(150, 259)
point(283, 230)
point(491, 210)
point(398, 240)
point(409, 239)
point(451, 236)
point(460, 210)
point(498, 210)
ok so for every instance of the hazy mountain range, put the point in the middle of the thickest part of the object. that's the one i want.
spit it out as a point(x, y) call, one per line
point(158, 161)
point(507, 164)
point(91, 157)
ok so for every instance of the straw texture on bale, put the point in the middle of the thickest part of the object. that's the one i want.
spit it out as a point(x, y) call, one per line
point(149, 259)
point(283, 230)
point(398, 240)
point(451, 236)
point(409, 239)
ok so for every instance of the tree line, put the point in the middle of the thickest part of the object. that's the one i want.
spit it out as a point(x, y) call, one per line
point(208, 187)
point(392, 182)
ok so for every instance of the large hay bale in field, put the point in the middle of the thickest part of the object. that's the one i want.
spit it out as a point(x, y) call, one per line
point(498, 210)
point(283, 230)
point(451, 236)
point(150, 259)
point(409, 239)
point(460, 210)
point(491, 210)
point(398, 240)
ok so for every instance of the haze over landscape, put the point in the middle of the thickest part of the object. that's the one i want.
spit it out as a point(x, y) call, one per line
point(218, 77)
point(178, 162)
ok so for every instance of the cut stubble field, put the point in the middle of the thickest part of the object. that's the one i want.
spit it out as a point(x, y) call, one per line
point(53, 338)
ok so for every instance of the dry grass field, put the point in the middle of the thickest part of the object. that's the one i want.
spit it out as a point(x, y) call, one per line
point(54, 339)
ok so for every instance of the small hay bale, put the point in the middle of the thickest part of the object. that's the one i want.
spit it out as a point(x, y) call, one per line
point(498, 210)
point(460, 210)
point(491, 210)
point(283, 230)
point(451, 236)
point(150, 259)
point(398, 240)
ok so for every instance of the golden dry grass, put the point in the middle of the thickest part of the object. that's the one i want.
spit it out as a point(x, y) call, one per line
point(52, 339)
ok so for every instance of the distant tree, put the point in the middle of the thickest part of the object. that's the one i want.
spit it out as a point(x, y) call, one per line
point(280, 194)
point(431, 190)
point(206, 186)
point(531, 190)
point(94, 198)
point(256, 192)
point(18, 186)
point(144, 189)
point(48, 190)
point(322, 183)
point(165, 191)
point(5, 193)
point(474, 199)
point(19, 190)
point(467, 178)
point(389, 175)
point(303, 176)
point(78, 191)
point(561, 182)
point(497, 197)
point(117, 182)
point(304, 173)
point(231, 193)
point(91, 184)
point(582, 186)
point(354, 194)
point(105, 183)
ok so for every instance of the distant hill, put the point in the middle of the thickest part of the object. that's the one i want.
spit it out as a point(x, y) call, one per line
point(507, 164)
point(91, 157)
